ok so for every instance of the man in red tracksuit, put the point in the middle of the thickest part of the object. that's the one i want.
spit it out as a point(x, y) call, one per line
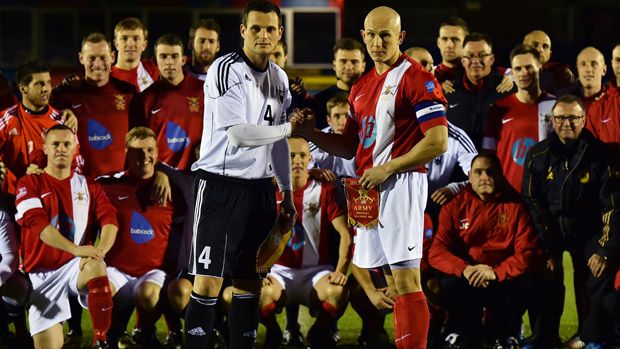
point(484, 246)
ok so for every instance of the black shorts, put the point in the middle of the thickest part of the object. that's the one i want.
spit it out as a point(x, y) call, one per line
point(232, 218)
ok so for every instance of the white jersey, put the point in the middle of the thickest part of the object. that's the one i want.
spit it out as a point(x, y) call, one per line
point(237, 93)
point(461, 151)
point(340, 166)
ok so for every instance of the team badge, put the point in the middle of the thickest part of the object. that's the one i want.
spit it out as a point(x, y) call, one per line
point(194, 105)
point(584, 177)
point(362, 204)
point(550, 175)
point(21, 191)
point(502, 218)
point(14, 132)
point(80, 196)
point(389, 90)
point(312, 208)
point(119, 102)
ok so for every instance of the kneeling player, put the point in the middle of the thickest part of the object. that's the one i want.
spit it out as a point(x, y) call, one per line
point(303, 274)
point(138, 260)
point(55, 211)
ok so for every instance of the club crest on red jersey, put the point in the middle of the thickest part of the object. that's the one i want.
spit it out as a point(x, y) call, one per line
point(193, 104)
point(312, 208)
point(119, 102)
point(390, 90)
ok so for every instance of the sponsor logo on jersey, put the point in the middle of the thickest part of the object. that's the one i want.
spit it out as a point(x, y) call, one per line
point(368, 133)
point(21, 191)
point(193, 104)
point(428, 233)
point(298, 238)
point(119, 102)
point(98, 136)
point(140, 229)
point(430, 86)
point(176, 137)
point(520, 148)
point(64, 224)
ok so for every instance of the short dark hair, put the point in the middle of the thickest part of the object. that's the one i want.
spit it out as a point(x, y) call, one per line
point(523, 49)
point(339, 97)
point(170, 40)
point(204, 23)
point(475, 36)
point(348, 44)
point(96, 38)
point(569, 99)
point(284, 46)
point(491, 157)
point(58, 127)
point(455, 21)
point(29, 68)
point(130, 23)
point(263, 6)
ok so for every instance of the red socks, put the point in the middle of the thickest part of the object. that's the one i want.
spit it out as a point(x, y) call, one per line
point(100, 306)
point(411, 318)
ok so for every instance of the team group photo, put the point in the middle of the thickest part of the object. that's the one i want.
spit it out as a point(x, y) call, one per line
point(361, 177)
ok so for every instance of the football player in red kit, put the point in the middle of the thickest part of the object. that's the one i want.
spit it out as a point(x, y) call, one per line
point(56, 211)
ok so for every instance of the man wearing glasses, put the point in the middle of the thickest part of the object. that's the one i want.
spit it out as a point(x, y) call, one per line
point(520, 120)
point(570, 184)
point(475, 87)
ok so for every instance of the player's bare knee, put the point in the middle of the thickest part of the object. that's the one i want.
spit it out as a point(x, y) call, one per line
point(207, 286)
point(148, 295)
point(178, 294)
point(335, 294)
point(270, 294)
point(93, 268)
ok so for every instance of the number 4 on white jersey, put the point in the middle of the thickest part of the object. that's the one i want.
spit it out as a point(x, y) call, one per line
point(204, 257)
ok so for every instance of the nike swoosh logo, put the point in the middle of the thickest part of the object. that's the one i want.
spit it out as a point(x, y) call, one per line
point(410, 248)
point(504, 121)
point(453, 105)
point(359, 96)
point(155, 111)
point(46, 194)
point(106, 309)
point(123, 197)
point(75, 106)
point(606, 120)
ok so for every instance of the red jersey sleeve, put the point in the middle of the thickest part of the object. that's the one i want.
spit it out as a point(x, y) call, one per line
point(30, 213)
point(103, 209)
point(425, 95)
point(334, 209)
point(440, 255)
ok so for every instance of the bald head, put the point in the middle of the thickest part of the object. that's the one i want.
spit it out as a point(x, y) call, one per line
point(591, 68)
point(383, 16)
point(539, 40)
point(422, 56)
point(382, 36)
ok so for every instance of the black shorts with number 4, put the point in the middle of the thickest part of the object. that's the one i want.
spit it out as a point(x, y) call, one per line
point(232, 217)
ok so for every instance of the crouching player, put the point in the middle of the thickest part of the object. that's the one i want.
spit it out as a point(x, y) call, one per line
point(303, 274)
point(137, 262)
point(56, 210)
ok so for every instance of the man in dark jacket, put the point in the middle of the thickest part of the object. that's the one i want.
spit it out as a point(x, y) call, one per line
point(570, 184)
point(475, 87)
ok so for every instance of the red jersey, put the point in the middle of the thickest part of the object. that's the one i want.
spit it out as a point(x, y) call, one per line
point(103, 115)
point(175, 114)
point(443, 72)
point(71, 205)
point(317, 206)
point(22, 136)
point(140, 77)
point(497, 233)
point(143, 226)
point(603, 119)
point(512, 128)
point(391, 112)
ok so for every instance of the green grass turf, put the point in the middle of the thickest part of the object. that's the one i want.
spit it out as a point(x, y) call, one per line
point(350, 324)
